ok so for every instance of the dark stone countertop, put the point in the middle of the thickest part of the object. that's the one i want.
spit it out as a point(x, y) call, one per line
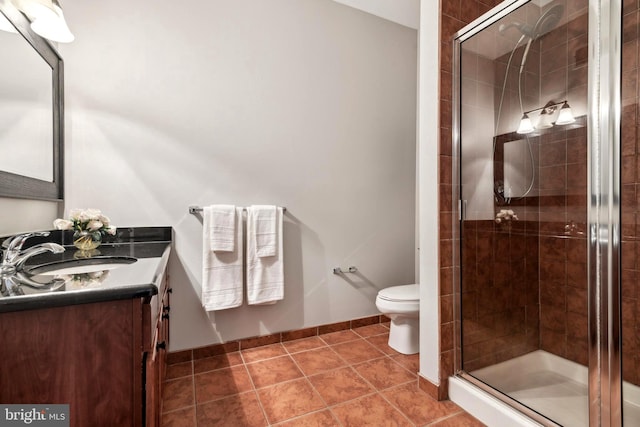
point(149, 245)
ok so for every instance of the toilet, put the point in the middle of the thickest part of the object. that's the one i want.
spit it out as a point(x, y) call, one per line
point(402, 305)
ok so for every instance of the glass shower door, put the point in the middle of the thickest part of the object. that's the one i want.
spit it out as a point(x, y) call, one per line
point(538, 249)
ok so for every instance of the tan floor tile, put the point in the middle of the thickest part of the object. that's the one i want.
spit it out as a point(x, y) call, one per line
point(185, 417)
point(273, 371)
point(291, 399)
point(357, 351)
point(344, 370)
point(221, 383)
point(419, 407)
point(239, 410)
point(316, 419)
point(410, 362)
point(369, 411)
point(371, 330)
point(320, 360)
point(381, 342)
point(179, 370)
point(340, 385)
point(177, 394)
point(303, 344)
point(217, 362)
point(339, 337)
point(261, 353)
point(384, 373)
point(460, 420)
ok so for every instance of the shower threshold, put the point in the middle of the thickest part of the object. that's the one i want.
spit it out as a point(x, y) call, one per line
point(546, 383)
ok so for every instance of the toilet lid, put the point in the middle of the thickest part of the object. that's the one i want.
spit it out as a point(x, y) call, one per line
point(400, 293)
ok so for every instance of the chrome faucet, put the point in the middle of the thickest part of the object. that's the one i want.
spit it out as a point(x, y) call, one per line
point(14, 257)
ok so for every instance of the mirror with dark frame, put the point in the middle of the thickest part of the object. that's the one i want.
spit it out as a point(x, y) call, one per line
point(31, 113)
point(514, 162)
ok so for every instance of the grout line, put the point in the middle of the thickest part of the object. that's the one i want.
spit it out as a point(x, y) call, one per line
point(394, 406)
point(195, 398)
point(446, 417)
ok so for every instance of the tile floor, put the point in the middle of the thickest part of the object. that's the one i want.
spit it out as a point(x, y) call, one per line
point(345, 378)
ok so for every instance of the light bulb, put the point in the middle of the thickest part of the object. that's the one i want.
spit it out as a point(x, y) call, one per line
point(545, 120)
point(47, 19)
point(566, 116)
point(525, 125)
point(5, 25)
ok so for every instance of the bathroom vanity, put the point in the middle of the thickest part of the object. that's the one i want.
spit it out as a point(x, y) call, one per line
point(98, 342)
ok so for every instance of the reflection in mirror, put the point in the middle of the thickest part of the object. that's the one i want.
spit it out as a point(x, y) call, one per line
point(518, 169)
point(515, 162)
point(31, 113)
point(26, 116)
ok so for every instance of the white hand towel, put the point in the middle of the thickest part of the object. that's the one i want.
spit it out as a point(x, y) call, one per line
point(264, 217)
point(265, 275)
point(222, 271)
point(220, 221)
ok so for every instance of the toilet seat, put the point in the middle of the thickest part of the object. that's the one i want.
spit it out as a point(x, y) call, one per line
point(402, 293)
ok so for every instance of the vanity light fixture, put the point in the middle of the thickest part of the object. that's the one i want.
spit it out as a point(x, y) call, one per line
point(47, 19)
point(525, 124)
point(545, 121)
point(566, 116)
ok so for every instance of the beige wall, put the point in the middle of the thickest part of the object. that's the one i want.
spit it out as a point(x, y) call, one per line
point(18, 215)
point(307, 104)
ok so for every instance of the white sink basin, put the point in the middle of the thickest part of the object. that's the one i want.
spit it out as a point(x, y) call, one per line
point(80, 266)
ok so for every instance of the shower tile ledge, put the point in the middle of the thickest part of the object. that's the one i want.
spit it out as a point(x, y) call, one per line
point(565, 401)
point(484, 407)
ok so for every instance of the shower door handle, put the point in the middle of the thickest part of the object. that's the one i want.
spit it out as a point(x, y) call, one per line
point(462, 210)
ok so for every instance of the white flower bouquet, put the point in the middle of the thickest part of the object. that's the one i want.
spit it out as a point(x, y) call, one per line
point(505, 215)
point(88, 225)
point(91, 220)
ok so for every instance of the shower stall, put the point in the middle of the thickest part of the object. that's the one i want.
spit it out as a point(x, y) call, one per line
point(547, 197)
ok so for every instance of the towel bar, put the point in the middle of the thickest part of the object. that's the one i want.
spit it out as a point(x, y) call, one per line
point(197, 209)
point(339, 270)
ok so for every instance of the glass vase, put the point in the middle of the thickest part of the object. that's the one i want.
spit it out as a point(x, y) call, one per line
point(87, 240)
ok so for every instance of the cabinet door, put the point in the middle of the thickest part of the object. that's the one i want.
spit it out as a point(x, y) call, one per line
point(88, 355)
point(156, 364)
point(164, 331)
point(152, 389)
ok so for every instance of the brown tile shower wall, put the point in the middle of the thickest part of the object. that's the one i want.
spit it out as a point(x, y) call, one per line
point(525, 282)
point(630, 196)
point(500, 292)
point(562, 172)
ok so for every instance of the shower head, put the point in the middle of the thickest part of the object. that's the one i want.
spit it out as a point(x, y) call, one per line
point(523, 28)
point(547, 21)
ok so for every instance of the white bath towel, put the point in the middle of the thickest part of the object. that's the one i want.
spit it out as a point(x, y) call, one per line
point(264, 218)
point(222, 271)
point(265, 275)
point(220, 221)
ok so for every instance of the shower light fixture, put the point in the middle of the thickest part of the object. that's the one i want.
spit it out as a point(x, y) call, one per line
point(545, 121)
point(565, 116)
point(525, 125)
point(47, 19)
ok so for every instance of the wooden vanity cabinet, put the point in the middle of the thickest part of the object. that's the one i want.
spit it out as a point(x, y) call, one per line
point(155, 357)
point(102, 358)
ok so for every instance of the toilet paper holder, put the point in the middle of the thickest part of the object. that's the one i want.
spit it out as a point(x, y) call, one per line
point(339, 270)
